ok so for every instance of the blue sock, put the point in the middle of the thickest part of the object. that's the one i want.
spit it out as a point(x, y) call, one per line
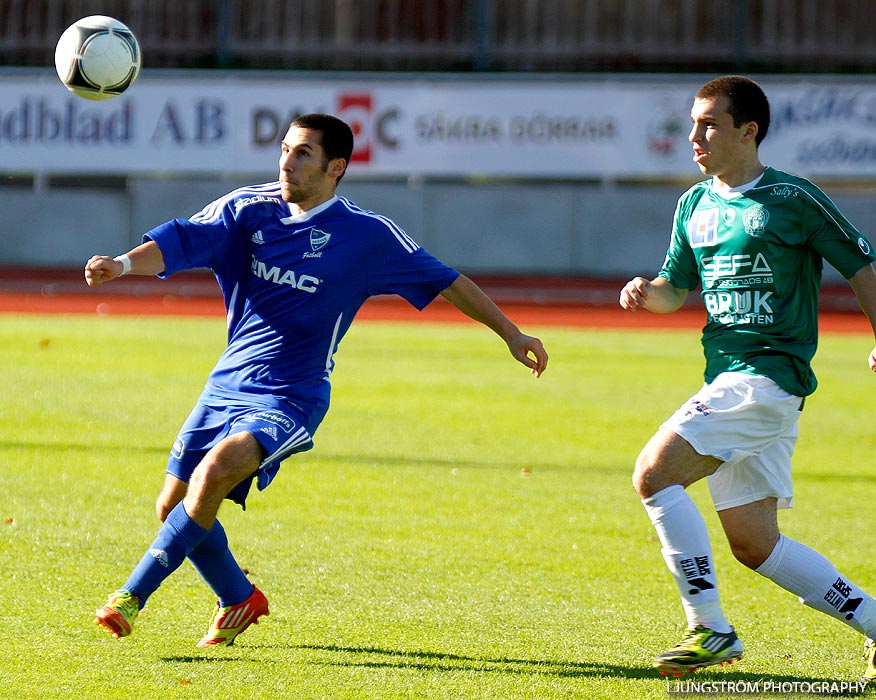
point(178, 536)
point(214, 561)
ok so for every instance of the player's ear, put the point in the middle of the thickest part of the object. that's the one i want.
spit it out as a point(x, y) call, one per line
point(749, 131)
point(337, 167)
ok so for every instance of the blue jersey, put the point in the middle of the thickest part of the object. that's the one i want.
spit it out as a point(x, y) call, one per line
point(292, 284)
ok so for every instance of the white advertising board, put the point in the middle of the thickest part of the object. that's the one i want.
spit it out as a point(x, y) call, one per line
point(231, 123)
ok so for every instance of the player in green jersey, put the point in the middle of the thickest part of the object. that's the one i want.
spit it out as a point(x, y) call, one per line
point(754, 238)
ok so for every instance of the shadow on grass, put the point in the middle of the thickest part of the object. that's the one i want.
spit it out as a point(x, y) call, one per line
point(83, 446)
point(192, 659)
point(376, 657)
point(441, 662)
point(385, 460)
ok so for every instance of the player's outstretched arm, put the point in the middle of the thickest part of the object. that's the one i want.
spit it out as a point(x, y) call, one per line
point(863, 283)
point(145, 259)
point(656, 295)
point(466, 296)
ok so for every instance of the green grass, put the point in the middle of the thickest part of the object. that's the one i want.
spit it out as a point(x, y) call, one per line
point(460, 531)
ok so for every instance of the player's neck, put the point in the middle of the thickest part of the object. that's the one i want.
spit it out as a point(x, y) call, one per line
point(300, 208)
point(739, 176)
point(300, 214)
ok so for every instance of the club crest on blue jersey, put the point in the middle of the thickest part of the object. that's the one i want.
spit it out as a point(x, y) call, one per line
point(703, 228)
point(318, 239)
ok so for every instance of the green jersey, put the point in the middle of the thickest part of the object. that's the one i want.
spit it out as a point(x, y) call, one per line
point(758, 256)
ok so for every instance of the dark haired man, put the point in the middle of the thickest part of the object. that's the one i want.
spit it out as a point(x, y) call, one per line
point(295, 262)
point(754, 238)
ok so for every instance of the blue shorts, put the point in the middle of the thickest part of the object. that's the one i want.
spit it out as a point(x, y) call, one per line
point(279, 429)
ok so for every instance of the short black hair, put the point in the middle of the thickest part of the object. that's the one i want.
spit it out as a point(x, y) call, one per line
point(336, 136)
point(748, 103)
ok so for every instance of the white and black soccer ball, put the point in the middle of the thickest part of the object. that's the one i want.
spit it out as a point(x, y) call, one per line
point(97, 58)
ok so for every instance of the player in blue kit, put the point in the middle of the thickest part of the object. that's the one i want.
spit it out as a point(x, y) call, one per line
point(295, 262)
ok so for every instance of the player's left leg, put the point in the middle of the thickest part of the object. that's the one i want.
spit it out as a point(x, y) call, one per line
point(239, 603)
point(280, 432)
point(798, 569)
point(754, 537)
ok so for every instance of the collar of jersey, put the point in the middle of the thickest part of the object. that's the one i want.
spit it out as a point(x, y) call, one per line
point(310, 213)
point(739, 190)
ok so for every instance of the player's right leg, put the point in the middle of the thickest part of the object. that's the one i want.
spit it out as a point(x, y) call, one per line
point(117, 616)
point(665, 466)
point(709, 639)
point(122, 607)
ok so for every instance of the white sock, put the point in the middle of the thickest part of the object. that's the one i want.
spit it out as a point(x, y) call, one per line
point(816, 582)
point(688, 554)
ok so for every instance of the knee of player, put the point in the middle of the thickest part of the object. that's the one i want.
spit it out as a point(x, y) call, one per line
point(163, 506)
point(750, 553)
point(647, 478)
point(218, 472)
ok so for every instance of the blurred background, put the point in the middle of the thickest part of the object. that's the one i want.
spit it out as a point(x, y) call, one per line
point(513, 138)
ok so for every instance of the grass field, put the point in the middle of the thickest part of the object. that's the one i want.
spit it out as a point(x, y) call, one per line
point(460, 531)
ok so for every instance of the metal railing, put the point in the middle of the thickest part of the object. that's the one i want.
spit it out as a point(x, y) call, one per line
point(447, 35)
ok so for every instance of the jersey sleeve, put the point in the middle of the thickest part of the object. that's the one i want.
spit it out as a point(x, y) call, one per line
point(204, 240)
point(680, 266)
point(400, 266)
point(834, 237)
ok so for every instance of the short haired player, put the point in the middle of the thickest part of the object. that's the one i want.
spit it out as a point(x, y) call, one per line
point(754, 238)
point(295, 261)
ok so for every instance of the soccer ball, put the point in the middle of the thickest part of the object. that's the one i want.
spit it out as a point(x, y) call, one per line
point(97, 58)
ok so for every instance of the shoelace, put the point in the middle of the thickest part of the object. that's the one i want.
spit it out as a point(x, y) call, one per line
point(127, 606)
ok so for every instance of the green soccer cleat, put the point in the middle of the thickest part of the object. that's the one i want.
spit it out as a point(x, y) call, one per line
point(700, 647)
point(870, 657)
point(227, 623)
point(117, 616)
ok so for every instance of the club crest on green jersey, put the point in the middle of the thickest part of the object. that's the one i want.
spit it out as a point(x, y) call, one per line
point(755, 219)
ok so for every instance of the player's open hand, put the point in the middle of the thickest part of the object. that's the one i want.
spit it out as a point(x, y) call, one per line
point(100, 269)
point(530, 351)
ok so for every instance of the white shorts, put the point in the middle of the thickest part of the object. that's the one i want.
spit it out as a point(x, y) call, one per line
point(750, 423)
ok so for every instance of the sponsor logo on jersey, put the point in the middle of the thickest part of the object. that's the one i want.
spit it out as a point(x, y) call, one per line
point(784, 191)
point(305, 283)
point(258, 238)
point(255, 199)
point(281, 420)
point(736, 270)
point(703, 228)
point(754, 304)
point(318, 239)
point(755, 219)
point(730, 294)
